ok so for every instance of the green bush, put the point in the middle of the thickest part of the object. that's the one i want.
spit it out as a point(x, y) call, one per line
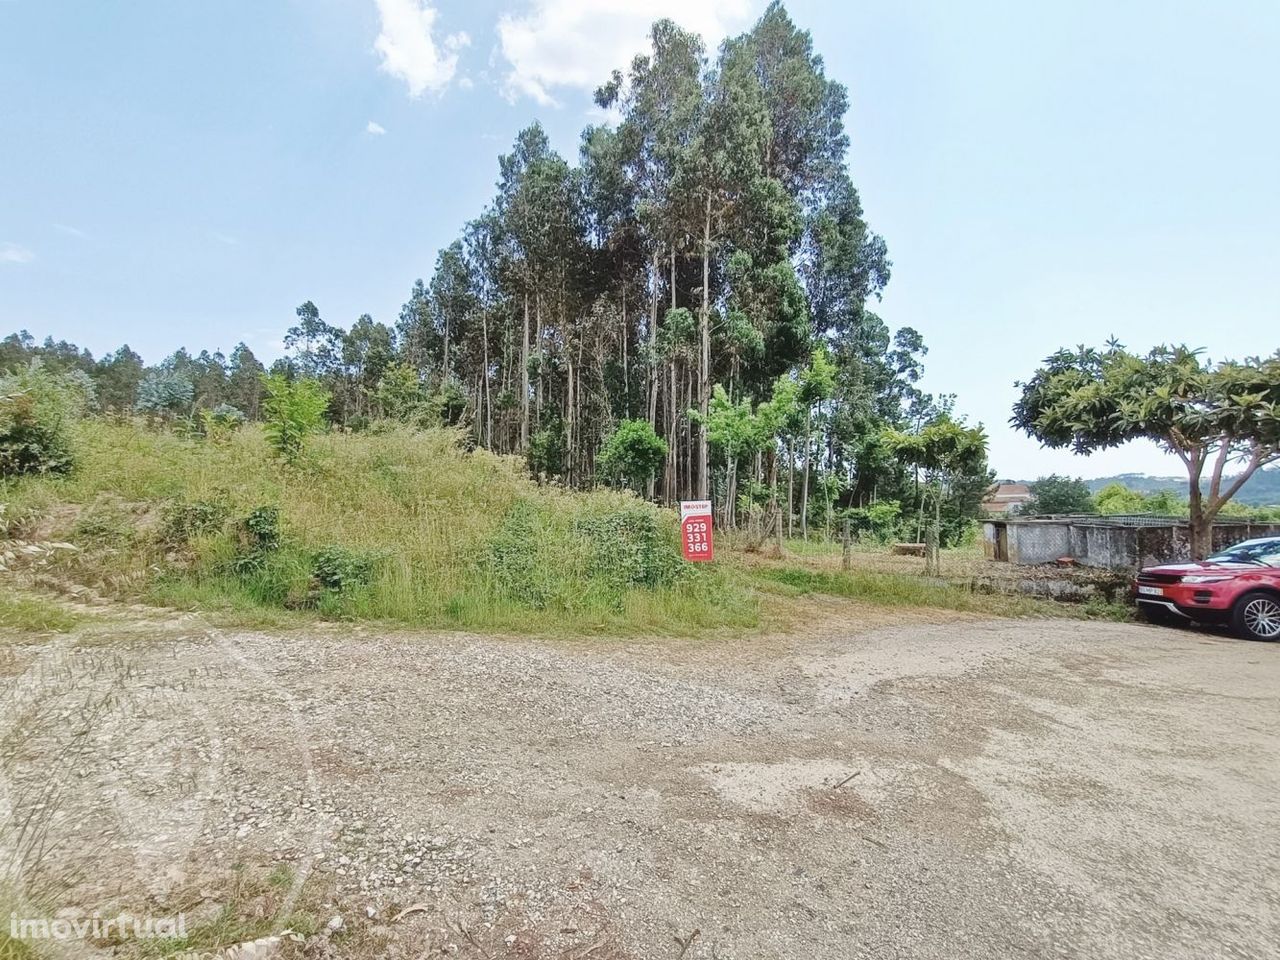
point(630, 548)
point(184, 521)
point(512, 557)
point(37, 408)
point(633, 454)
point(218, 425)
point(341, 571)
point(257, 536)
point(538, 559)
point(879, 523)
point(292, 410)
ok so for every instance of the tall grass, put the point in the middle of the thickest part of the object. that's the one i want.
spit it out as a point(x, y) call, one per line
point(442, 537)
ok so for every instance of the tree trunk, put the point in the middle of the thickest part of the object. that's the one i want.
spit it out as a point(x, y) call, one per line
point(653, 351)
point(488, 398)
point(524, 379)
point(569, 437)
point(671, 487)
point(1201, 533)
point(626, 376)
point(537, 350)
point(791, 485)
point(444, 364)
point(704, 362)
point(687, 433)
point(804, 488)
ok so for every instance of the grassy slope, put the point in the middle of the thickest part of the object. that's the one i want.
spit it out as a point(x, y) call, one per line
point(429, 512)
point(434, 517)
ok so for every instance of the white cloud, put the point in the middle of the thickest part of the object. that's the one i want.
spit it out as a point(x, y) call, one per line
point(410, 50)
point(71, 231)
point(12, 253)
point(577, 43)
point(375, 128)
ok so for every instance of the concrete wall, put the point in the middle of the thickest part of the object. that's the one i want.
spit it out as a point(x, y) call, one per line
point(1040, 542)
point(1112, 546)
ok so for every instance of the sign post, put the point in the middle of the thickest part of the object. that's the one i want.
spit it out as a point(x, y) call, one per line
point(695, 530)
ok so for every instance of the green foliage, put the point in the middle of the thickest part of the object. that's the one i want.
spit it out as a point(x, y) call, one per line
point(221, 422)
point(165, 394)
point(1213, 416)
point(547, 450)
point(1059, 494)
point(1091, 399)
point(878, 523)
point(400, 395)
point(37, 409)
point(631, 548)
point(35, 615)
point(632, 454)
point(1116, 498)
point(602, 556)
point(732, 428)
point(944, 447)
point(513, 556)
point(818, 380)
point(257, 536)
point(425, 511)
point(183, 522)
point(106, 522)
point(341, 570)
point(293, 410)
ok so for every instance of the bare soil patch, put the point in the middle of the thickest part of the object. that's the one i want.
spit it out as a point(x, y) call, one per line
point(879, 787)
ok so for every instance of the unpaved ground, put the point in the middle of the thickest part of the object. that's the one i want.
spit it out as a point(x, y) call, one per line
point(907, 789)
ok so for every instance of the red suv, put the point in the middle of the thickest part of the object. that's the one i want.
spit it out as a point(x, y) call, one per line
point(1239, 586)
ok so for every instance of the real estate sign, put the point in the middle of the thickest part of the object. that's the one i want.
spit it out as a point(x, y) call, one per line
point(695, 529)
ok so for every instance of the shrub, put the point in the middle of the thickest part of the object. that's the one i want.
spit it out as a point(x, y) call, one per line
point(339, 570)
point(630, 548)
point(880, 523)
point(165, 394)
point(547, 451)
point(257, 536)
point(37, 408)
point(633, 454)
point(292, 410)
point(221, 422)
point(512, 557)
point(184, 521)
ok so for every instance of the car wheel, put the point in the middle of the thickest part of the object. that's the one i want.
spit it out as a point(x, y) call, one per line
point(1256, 616)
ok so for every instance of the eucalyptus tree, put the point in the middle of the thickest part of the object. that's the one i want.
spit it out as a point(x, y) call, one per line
point(452, 302)
point(661, 100)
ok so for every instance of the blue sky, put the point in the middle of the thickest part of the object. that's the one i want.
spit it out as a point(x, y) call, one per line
point(178, 173)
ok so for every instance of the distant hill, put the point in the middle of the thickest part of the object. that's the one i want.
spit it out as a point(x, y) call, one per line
point(1262, 490)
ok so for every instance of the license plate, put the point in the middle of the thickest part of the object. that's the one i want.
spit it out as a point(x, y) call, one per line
point(1151, 591)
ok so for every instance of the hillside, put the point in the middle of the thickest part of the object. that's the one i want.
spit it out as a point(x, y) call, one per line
point(396, 525)
point(1262, 489)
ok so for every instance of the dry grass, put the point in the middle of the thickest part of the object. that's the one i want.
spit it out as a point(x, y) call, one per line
point(425, 512)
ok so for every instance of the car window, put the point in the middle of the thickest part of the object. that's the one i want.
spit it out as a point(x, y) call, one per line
point(1252, 551)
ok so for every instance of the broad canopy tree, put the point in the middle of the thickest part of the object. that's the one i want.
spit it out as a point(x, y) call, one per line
point(1222, 420)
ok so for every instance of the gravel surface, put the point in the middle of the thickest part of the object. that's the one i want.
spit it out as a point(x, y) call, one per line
point(901, 789)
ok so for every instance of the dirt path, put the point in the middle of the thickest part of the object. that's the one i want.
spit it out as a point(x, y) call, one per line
point(992, 789)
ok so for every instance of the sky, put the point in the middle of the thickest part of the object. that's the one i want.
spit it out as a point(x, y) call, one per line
point(182, 173)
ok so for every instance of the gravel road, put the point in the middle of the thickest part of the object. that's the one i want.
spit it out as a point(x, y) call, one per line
point(877, 788)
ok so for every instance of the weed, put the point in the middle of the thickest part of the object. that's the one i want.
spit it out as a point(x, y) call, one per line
point(36, 615)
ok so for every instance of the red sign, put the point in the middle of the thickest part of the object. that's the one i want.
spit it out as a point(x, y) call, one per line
point(695, 530)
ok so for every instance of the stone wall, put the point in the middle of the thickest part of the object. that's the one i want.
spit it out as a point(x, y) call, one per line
point(1114, 546)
